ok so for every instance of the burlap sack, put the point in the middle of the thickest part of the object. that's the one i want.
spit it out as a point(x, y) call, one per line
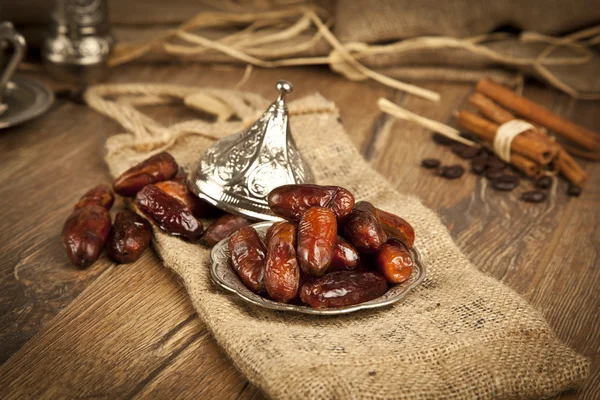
point(460, 335)
point(388, 20)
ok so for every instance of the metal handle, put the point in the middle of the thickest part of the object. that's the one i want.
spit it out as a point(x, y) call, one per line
point(9, 34)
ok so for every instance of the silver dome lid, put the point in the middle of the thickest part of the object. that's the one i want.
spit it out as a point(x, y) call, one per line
point(238, 172)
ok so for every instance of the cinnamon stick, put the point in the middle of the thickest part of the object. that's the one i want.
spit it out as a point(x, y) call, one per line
point(530, 168)
point(535, 150)
point(570, 169)
point(588, 155)
point(500, 115)
point(565, 164)
point(534, 112)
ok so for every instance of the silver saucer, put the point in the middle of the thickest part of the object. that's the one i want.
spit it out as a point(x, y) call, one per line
point(224, 276)
point(24, 99)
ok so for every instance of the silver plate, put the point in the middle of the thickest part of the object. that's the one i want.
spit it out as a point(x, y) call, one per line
point(224, 276)
point(25, 99)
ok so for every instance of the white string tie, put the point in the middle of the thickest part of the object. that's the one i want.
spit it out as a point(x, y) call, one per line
point(505, 135)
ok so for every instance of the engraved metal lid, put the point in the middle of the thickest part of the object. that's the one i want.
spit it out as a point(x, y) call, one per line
point(237, 172)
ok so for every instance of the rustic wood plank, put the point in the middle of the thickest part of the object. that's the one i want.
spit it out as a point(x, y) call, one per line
point(563, 287)
point(39, 189)
point(125, 328)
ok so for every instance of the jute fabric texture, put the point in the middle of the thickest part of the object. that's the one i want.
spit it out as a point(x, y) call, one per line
point(460, 335)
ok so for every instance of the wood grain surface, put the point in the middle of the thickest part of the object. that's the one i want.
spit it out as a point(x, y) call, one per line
point(123, 331)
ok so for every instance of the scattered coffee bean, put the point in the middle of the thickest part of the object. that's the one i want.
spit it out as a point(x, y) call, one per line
point(469, 136)
point(464, 151)
point(544, 182)
point(534, 196)
point(494, 172)
point(451, 172)
point(573, 190)
point(441, 139)
point(484, 153)
point(505, 182)
point(430, 163)
point(494, 162)
point(478, 165)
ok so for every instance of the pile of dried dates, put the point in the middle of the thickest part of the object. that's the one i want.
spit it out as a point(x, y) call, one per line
point(159, 192)
point(329, 252)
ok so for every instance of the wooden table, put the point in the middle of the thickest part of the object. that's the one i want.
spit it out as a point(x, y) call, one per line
point(121, 331)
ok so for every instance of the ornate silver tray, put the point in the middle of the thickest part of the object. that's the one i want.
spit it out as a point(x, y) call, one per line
point(224, 276)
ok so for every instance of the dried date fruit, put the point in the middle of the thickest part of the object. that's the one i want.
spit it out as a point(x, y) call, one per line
point(394, 262)
point(282, 273)
point(248, 255)
point(272, 229)
point(430, 163)
point(159, 167)
point(343, 288)
point(292, 201)
point(222, 228)
point(363, 229)
point(168, 213)
point(129, 237)
point(180, 191)
point(397, 227)
point(100, 195)
point(85, 233)
point(345, 256)
point(317, 233)
point(534, 196)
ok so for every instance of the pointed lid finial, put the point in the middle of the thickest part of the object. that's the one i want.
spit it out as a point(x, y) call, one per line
point(284, 88)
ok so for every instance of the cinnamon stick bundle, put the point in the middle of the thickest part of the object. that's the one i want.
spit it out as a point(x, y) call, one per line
point(494, 112)
point(534, 112)
point(536, 150)
point(566, 165)
point(487, 130)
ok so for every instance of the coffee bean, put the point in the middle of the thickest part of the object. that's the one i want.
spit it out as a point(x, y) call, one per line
point(464, 151)
point(534, 196)
point(493, 173)
point(441, 139)
point(544, 182)
point(494, 162)
point(505, 182)
point(430, 163)
point(451, 172)
point(478, 165)
point(573, 190)
point(485, 153)
point(468, 136)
